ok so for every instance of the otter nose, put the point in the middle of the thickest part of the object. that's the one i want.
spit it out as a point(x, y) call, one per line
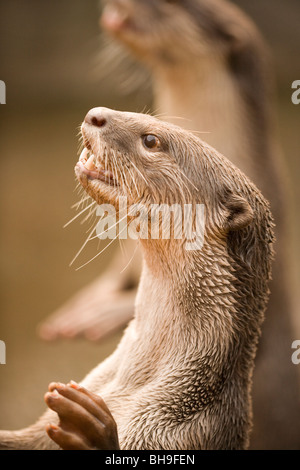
point(96, 117)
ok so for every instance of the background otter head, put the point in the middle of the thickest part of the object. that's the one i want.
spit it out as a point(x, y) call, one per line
point(170, 31)
point(207, 38)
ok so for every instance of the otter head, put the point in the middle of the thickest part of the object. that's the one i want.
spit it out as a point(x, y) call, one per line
point(169, 32)
point(132, 155)
point(153, 162)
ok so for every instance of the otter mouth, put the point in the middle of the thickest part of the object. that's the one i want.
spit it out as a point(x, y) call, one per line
point(89, 165)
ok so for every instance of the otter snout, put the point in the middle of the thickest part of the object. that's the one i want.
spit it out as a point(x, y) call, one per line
point(97, 117)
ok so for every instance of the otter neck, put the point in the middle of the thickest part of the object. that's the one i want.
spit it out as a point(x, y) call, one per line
point(195, 315)
point(209, 101)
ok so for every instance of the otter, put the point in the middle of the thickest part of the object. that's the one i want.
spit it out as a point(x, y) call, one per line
point(209, 66)
point(181, 376)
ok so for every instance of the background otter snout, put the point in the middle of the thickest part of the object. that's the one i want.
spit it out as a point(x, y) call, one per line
point(97, 117)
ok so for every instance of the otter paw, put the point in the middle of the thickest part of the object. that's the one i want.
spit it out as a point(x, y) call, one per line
point(85, 422)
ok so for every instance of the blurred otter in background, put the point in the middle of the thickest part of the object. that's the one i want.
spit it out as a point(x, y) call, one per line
point(210, 67)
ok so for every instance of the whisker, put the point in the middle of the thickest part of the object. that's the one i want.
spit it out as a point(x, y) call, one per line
point(78, 204)
point(91, 212)
point(128, 185)
point(78, 215)
point(139, 173)
point(197, 189)
point(133, 180)
point(78, 186)
point(83, 246)
point(118, 65)
point(87, 231)
point(102, 251)
point(131, 259)
point(143, 111)
point(122, 174)
point(112, 226)
point(156, 114)
point(198, 132)
point(115, 171)
point(180, 118)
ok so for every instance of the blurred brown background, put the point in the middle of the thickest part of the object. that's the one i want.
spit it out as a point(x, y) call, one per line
point(48, 59)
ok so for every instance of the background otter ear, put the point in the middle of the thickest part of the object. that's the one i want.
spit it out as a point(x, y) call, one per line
point(240, 213)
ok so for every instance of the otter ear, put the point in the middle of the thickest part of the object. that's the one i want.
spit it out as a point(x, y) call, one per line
point(239, 213)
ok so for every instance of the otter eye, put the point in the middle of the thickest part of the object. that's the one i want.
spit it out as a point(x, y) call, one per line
point(151, 142)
